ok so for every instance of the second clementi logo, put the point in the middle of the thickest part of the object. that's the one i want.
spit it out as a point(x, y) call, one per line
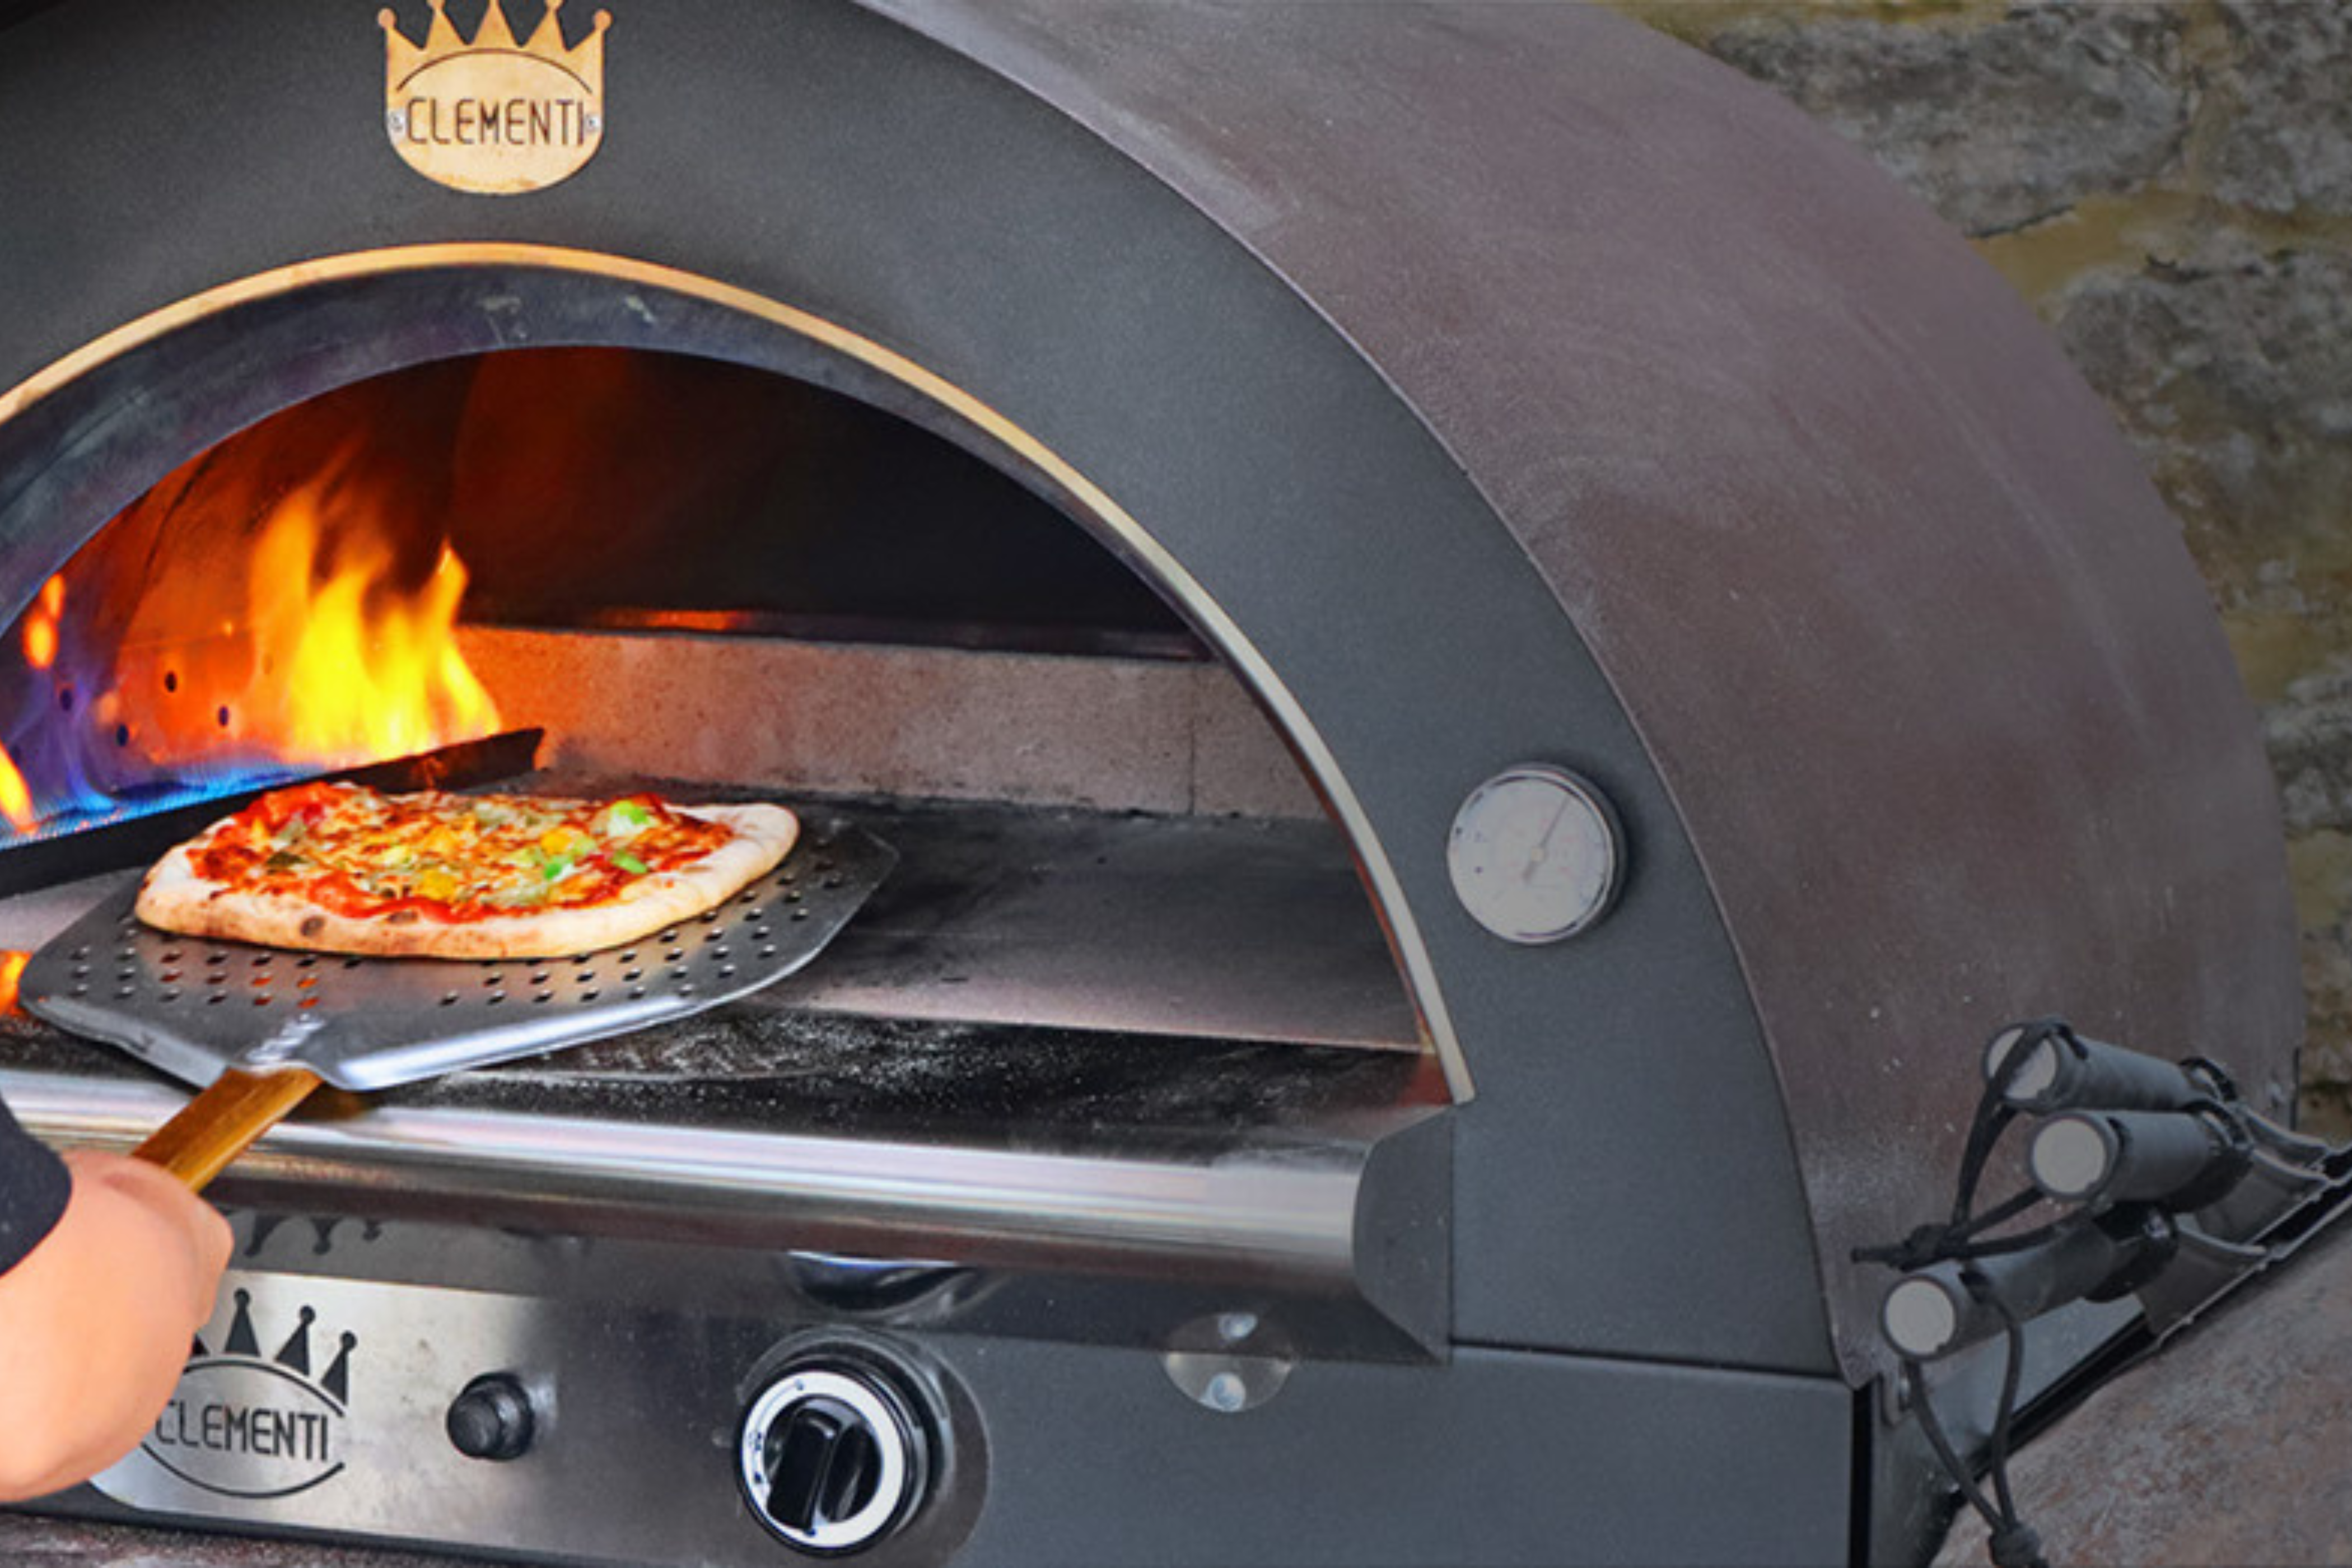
point(488, 114)
point(243, 1424)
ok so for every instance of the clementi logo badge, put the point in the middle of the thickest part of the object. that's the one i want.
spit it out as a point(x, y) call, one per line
point(243, 1426)
point(491, 115)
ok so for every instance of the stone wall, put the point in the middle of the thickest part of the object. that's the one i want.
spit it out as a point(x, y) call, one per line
point(2170, 184)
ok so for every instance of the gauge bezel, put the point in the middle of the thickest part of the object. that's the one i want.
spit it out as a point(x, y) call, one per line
point(1581, 793)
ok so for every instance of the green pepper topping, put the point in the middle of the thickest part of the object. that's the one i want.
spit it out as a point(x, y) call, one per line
point(556, 868)
point(629, 862)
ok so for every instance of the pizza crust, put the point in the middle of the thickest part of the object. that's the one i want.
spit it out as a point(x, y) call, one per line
point(174, 898)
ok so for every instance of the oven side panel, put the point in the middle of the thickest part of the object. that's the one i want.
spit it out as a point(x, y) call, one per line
point(1921, 659)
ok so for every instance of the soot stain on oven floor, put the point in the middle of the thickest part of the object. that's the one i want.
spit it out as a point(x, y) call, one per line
point(753, 1066)
point(761, 1064)
point(748, 1066)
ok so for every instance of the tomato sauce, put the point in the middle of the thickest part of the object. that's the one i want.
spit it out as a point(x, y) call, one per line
point(315, 842)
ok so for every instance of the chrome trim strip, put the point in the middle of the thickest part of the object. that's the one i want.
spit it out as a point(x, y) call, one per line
point(1248, 663)
point(1291, 1213)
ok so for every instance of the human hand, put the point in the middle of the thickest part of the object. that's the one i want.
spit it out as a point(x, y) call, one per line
point(96, 1322)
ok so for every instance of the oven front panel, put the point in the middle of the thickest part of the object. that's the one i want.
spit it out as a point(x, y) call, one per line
point(836, 163)
point(1037, 1453)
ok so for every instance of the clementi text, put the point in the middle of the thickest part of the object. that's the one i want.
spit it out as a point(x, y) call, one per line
point(500, 122)
point(244, 1429)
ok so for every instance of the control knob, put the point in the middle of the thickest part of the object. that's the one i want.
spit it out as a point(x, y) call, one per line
point(491, 1418)
point(833, 1457)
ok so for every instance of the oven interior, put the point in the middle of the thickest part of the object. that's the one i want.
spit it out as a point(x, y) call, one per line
point(1122, 924)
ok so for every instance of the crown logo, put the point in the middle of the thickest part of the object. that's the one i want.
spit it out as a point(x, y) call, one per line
point(490, 115)
point(243, 1424)
point(244, 1344)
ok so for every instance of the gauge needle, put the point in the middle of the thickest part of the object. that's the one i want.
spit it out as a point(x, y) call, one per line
point(1543, 845)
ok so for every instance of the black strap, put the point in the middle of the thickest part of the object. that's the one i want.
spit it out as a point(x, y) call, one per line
point(34, 1186)
point(2013, 1543)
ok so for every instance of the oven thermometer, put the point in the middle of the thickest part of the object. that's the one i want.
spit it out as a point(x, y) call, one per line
point(1535, 854)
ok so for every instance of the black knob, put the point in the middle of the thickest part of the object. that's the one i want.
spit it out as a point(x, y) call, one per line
point(491, 1418)
point(834, 1454)
point(823, 1461)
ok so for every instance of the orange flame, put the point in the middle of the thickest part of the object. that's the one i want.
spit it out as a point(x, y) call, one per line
point(254, 605)
point(274, 600)
point(41, 624)
point(15, 800)
point(12, 971)
point(41, 652)
point(314, 653)
point(348, 669)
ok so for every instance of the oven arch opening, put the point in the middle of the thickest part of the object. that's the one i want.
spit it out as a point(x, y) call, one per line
point(243, 354)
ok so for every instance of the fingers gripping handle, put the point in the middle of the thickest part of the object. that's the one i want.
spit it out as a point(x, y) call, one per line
point(222, 1122)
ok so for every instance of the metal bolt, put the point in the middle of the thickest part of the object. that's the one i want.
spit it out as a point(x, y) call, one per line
point(1236, 1327)
point(1226, 1393)
point(397, 122)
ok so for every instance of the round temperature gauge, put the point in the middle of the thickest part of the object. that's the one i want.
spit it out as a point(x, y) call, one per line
point(1535, 854)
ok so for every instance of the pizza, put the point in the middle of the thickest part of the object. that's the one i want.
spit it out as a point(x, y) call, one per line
point(338, 868)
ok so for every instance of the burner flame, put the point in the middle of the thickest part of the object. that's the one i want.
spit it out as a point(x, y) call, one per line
point(16, 797)
point(232, 627)
point(41, 624)
point(359, 673)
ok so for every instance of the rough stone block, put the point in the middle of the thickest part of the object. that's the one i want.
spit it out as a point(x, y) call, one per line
point(2309, 734)
point(1995, 124)
point(2287, 142)
point(2232, 372)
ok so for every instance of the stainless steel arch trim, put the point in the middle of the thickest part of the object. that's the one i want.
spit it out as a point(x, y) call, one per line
point(1101, 512)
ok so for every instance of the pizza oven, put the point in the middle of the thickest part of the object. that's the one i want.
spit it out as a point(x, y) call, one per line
point(1489, 662)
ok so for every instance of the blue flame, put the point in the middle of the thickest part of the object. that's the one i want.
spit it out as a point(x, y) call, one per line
point(83, 771)
point(94, 808)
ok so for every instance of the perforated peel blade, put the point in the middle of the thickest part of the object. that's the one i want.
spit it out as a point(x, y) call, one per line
point(194, 1006)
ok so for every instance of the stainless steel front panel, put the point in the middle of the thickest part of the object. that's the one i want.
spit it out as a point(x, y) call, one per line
point(1048, 1453)
point(320, 1404)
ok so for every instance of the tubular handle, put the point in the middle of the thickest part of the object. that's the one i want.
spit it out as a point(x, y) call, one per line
point(2183, 1159)
point(222, 1122)
point(2066, 1071)
point(1932, 1312)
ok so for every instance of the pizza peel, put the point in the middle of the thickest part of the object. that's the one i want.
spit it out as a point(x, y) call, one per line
point(256, 1029)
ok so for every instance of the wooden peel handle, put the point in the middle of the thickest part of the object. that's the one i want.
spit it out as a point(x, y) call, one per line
point(222, 1122)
